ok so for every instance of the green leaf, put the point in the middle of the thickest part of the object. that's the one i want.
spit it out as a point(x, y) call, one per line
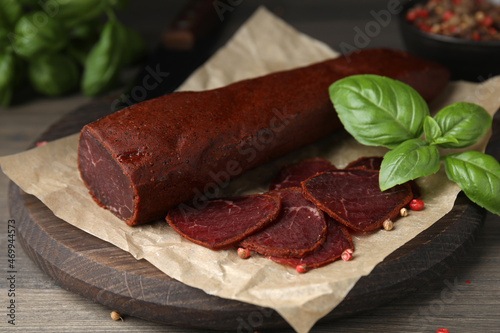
point(10, 12)
point(7, 77)
point(105, 60)
point(54, 74)
point(37, 33)
point(411, 159)
point(378, 111)
point(443, 140)
point(478, 175)
point(119, 4)
point(4, 39)
point(135, 46)
point(431, 129)
point(466, 122)
point(75, 12)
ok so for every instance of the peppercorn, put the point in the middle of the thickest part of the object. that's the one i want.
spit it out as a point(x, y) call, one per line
point(468, 19)
point(403, 212)
point(388, 225)
point(243, 253)
point(416, 204)
point(447, 15)
point(346, 255)
point(115, 315)
point(301, 268)
point(41, 143)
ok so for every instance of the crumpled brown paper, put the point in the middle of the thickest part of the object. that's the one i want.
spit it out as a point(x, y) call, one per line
point(263, 44)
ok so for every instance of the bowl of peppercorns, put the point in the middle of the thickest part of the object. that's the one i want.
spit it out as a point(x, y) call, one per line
point(463, 35)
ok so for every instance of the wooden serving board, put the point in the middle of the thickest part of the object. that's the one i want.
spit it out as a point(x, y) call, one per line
point(95, 269)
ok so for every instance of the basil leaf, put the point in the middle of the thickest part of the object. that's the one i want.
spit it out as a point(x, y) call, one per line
point(411, 159)
point(432, 130)
point(10, 12)
point(443, 139)
point(4, 39)
point(105, 59)
point(7, 77)
point(378, 111)
point(72, 13)
point(54, 74)
point(30, 39)
point(478, 175)
point(466, 122)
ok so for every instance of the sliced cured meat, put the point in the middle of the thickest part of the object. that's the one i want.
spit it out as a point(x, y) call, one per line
point(353, 197)
point(371, 163)
point(299, 228)
point(144, 160)
point(292, 175)
point(337, 240)
point(223, 222)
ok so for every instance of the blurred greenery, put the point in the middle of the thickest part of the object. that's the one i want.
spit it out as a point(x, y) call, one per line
point(56, 47)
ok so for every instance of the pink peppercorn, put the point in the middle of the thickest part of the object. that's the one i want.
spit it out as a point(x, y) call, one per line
point(423, 13)
point(487, 21)
point(442, 330)
point(411, 15)
point(346, 255)
point(243, 253)
point(447, 15)
point(416, 204)
point(301, 268)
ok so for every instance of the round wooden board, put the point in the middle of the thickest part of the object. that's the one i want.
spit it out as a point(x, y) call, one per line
point(100, 271)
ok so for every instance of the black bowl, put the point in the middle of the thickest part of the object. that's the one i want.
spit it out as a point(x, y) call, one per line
point(466, 59)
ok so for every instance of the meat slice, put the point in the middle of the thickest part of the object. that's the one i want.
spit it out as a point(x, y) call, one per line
point(371, 163)
point(299, 228)
point(292, 175)
point(223, 222)
point(353, 197)
point(337, 240)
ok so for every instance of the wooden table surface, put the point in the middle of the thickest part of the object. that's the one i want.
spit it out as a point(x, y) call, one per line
point(465, 299)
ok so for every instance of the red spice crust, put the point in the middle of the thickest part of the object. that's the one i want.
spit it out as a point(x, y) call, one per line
point(181, 146)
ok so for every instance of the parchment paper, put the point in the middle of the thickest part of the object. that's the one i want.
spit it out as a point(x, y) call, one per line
point(263, 44)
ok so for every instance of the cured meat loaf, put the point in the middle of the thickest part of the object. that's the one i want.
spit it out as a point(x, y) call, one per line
point(147, 158)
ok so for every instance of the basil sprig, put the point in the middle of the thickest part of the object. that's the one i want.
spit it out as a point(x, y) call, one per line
point(379, 111)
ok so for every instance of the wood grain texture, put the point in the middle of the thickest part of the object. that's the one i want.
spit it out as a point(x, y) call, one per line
point(103, 273)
